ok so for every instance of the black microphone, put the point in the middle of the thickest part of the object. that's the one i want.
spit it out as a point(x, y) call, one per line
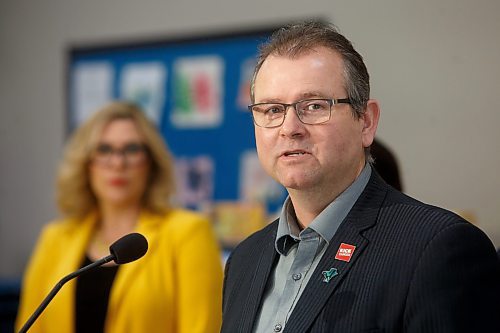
point(127, 249)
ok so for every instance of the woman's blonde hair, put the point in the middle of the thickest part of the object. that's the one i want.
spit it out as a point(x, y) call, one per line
point(74, 194)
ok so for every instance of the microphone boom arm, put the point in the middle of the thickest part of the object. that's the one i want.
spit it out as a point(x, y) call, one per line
point(58, 286)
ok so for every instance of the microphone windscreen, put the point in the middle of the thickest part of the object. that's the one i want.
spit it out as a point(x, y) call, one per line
point(129, 248)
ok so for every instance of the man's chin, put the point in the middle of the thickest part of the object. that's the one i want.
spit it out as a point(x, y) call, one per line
point(297, 184)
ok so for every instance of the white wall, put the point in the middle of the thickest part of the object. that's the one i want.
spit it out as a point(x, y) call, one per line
point(434, 67)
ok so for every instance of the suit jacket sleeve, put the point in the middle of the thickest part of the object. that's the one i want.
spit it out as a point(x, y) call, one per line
point(455, 286)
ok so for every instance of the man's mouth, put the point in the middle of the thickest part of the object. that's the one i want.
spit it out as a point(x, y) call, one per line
point(294, 153)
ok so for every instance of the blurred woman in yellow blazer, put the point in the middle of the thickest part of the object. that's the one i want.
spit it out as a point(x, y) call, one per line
point(116, 177)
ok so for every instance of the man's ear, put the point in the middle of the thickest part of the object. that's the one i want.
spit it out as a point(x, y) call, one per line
point(370, 122)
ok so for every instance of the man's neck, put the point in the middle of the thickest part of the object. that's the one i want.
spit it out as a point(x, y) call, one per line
point(309, 203)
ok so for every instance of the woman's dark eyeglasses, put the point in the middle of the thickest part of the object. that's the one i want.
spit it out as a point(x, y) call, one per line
point(132, 153)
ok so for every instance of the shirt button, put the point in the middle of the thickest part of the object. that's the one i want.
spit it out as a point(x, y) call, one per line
point(277, 328)
point(297, 276)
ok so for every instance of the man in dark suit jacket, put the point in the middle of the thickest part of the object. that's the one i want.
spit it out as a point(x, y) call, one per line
point(348, 253)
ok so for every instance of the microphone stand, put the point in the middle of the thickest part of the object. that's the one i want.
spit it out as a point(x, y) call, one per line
point(58, 286)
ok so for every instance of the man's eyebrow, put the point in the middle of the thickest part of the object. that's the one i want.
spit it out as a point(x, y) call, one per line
point(270, 100)
point(305, 95)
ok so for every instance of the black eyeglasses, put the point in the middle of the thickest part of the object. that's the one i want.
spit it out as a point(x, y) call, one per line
point(309, 111)
point(133, 154)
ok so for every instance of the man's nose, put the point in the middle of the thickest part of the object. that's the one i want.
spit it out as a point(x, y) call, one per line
point(292, 126)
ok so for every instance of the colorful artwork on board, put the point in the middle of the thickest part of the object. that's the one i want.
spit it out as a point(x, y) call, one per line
point(144, 84)
point(92, 87)
point(246, 73)
point(198, 90)
point(195, 184)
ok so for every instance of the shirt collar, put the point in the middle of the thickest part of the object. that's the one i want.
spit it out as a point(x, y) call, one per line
point(327, 222)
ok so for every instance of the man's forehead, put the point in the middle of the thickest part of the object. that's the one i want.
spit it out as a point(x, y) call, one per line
point(294, 54)
point(318, 60)
point(317, 57)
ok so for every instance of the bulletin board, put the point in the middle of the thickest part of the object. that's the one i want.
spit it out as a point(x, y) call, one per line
point(196, 90)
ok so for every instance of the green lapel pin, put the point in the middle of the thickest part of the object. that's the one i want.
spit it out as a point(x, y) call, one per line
point(328, 275)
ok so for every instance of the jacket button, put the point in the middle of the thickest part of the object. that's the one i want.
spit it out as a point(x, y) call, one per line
point(277, 328)
point(297, 276)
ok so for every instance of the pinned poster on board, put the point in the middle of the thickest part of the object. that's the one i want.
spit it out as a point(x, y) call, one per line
point(144, 84)
point(92, 87)
point(194, 178)
point(256, 185)
point(198, 92)
point(246, 72)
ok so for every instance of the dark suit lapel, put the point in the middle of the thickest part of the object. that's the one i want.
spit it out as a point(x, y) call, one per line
point(363, 215)
point(265, 256)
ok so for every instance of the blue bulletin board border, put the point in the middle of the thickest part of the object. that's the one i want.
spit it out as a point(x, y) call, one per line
point(208, 73)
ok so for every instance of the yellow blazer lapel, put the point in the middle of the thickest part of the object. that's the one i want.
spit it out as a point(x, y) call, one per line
point(147, 225)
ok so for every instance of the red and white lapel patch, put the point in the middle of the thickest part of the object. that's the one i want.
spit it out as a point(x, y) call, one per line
point(345, 252)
